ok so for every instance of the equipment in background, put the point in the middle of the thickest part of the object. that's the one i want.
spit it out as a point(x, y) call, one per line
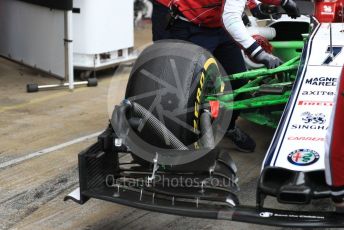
point(143, 9)
point(103, 34)
point(55, 37)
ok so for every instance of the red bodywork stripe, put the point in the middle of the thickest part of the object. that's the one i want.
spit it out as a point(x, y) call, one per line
point(337, 142)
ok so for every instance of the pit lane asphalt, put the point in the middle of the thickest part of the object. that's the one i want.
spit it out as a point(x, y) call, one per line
point(32, 191)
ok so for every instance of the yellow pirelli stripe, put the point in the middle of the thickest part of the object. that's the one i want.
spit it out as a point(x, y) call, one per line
point(207, 64)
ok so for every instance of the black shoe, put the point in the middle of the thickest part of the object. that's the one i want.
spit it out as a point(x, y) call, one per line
point(339, 205)
point(340, 209)
point(243, 141)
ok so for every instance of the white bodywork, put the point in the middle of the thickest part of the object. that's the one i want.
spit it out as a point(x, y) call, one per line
point(308, 118)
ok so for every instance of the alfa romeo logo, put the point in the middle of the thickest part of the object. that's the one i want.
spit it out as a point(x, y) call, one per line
point(303, 157)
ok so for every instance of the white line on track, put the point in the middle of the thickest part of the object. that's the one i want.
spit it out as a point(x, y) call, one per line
point(48, 150)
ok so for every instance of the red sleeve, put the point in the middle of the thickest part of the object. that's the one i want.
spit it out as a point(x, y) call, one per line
point(272, 2)
point(251, 4)
point(164, 2)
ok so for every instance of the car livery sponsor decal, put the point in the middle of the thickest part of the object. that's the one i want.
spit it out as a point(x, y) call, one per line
point(290, 215)
point(303, 157)
point(315, 103)
point(318, 118)
point(311, 121)
point(294, 138)
point(318, 93)
point(321, 81)
point(309, 127)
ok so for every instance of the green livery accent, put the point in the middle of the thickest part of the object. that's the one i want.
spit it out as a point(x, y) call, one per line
point(262, 99)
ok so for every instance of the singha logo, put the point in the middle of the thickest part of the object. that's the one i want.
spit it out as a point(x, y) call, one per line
point(318, 118)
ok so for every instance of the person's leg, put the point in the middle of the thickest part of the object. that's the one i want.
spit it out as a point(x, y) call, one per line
point(229, 54)
point(159, 22)
point(230, 57)
point(200, 36)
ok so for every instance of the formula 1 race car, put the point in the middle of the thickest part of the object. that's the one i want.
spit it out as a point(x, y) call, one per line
point(160, 151)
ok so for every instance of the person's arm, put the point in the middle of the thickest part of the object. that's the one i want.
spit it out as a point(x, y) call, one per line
point(231, 17)
point(232, 21)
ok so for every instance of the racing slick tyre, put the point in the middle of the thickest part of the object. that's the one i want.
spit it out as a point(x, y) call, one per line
point(170, 79)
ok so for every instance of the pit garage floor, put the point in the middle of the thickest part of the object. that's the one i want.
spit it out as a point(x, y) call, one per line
point(33, 183)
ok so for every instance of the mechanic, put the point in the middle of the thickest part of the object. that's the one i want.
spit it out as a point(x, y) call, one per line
point(161, 13)
point(335, 151)
point(208, 23)
point(160, 18)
